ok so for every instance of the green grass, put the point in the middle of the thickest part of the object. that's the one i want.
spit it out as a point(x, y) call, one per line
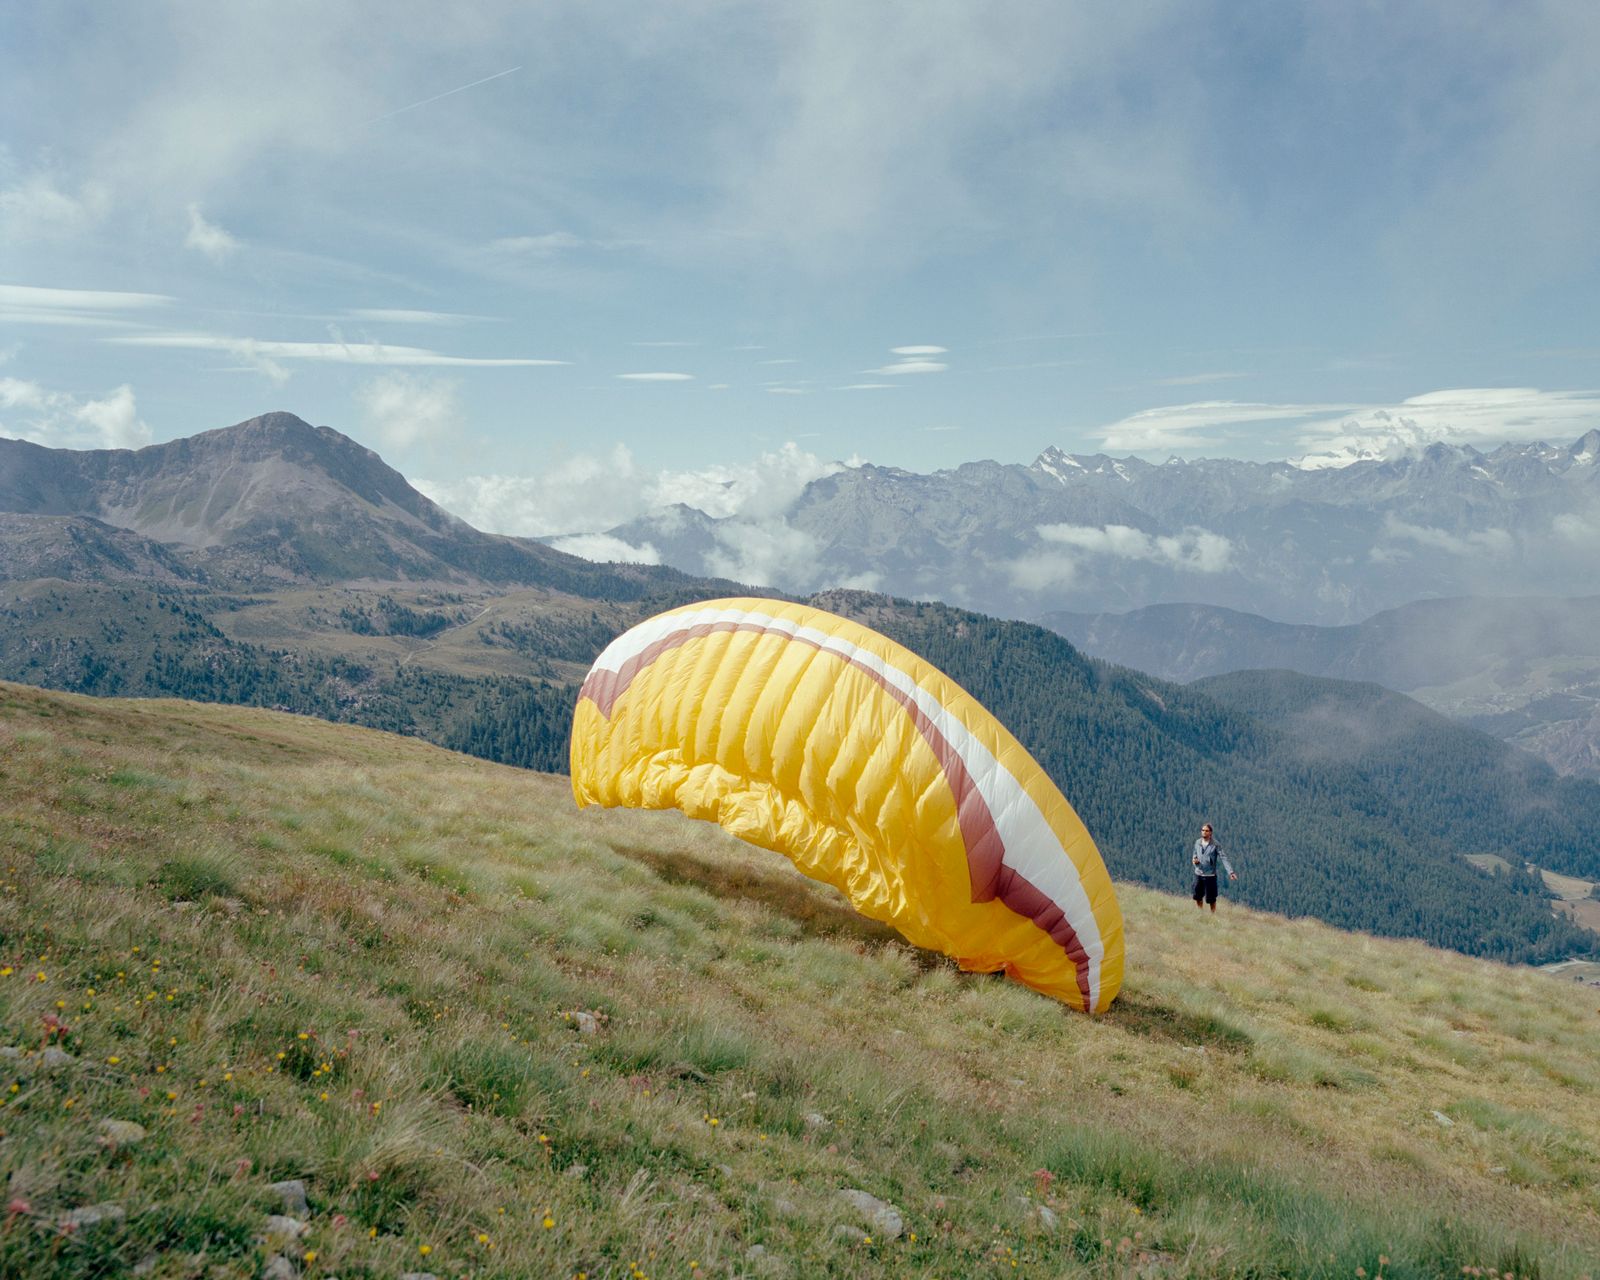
point(294, 950)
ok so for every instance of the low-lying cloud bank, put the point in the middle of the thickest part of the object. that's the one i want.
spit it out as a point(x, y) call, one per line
point(589, 493)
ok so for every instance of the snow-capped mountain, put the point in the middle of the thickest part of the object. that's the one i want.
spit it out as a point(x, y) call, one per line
point(1312, 542)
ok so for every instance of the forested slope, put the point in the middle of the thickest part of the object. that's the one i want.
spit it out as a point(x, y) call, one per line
point(1430, 776)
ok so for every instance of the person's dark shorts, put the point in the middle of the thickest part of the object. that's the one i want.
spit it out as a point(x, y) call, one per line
point(1205, 889)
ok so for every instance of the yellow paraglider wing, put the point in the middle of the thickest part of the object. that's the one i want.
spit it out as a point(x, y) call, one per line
point(816, 737)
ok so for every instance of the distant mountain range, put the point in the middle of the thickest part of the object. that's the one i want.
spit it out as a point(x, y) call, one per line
point(1526, 669)
point(1328, 545)
point(284, 565)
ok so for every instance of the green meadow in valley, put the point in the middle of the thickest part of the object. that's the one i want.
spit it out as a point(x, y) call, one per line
point(493, 1036)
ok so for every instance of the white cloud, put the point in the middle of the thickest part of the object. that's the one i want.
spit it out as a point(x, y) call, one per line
point(590, 493)
point(1194, 550)
point(1477, 542)
point(869, 386)
point(1482, 416)
point(58, 420)
point(787, 391)
point(606, 549)
point(580, 493)
point(766, 553)
point(372, 353)
point(209, 239)
point(910, 366)
point(1059, 563)
point(768, 484)
point(400, 315)
point(1580, 531)
point(1043, 570)
point(918, 351)
point(784, 360)
point(656, 377)
point(401, 409)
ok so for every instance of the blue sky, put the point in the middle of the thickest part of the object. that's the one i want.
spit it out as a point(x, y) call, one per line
point(916, 233)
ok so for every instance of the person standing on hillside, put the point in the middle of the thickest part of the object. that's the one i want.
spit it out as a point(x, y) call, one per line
point(1207, 852)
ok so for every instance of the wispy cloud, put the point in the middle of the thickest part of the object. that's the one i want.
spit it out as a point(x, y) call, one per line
point(208, 239)
point(784, 360)
point(918, 351)
point(1199, 379)
point(545, 245)
point(30, 304)
point(901, 367)
point(1196, 426)
point(400, 315)
point(870, 386)
point(656, 377)
point(372, 353)
point(37, 208)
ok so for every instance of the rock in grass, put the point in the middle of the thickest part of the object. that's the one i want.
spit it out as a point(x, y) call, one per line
point(1443, 1119)
point(419, 1275)
point(282, 1227)
point(586, 1023)
point(850, 1235)
point(278, 1268)
point(85, 1219)
point(121, 1133)
point(575, 1171)
point(883, 1216)
point(54, 1058)
point(1046, 1217)
point(293, 1192)
point(816, 1120)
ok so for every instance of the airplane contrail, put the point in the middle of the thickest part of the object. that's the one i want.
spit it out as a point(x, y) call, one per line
point(462, 89)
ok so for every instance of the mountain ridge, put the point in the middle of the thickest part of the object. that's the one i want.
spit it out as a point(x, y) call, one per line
point(276, 500)
point(1094, 533)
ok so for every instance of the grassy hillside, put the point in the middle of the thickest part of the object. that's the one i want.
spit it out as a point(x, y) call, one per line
point(494, 1036)
point(1146, 761)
